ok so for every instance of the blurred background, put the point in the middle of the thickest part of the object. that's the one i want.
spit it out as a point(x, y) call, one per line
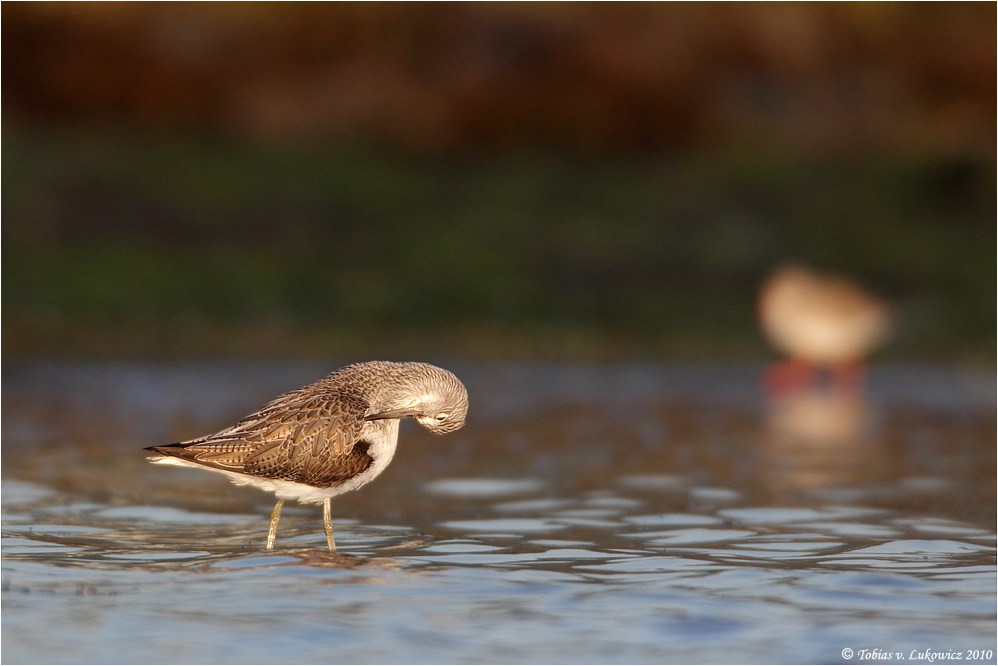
point(492, 181)
point(575, 208)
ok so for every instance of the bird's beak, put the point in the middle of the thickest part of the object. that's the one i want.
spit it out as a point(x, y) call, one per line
point(392, 414)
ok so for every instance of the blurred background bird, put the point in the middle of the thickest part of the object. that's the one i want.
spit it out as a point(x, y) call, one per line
point(822, 323)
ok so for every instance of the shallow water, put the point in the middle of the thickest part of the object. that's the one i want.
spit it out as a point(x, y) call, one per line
point(612, 514)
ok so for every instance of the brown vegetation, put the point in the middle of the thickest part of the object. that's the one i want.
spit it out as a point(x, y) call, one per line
point(443, 77)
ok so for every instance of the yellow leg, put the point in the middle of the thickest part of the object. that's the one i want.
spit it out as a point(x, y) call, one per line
point(275, 517)
point(327, 523)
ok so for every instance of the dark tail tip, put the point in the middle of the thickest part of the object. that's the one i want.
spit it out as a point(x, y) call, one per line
point(164, 450)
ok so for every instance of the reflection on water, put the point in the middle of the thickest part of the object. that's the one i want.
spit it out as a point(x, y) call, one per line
point(818, 439)
point(638, 514)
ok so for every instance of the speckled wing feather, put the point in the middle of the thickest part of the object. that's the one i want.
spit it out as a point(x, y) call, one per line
point(300, 437)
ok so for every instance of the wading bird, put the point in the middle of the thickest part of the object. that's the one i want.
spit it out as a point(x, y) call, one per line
point(327, 438)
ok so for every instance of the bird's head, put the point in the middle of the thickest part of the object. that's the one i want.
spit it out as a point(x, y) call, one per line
point(443, 412)
point(433, 396)
point(443, 401)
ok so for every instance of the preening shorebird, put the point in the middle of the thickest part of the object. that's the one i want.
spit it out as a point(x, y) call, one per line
point(329, 437)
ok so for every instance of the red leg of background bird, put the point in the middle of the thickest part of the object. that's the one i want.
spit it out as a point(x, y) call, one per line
point(789, 377)
point(848, 378)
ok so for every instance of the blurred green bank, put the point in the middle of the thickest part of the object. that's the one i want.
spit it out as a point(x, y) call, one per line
point(138, 245)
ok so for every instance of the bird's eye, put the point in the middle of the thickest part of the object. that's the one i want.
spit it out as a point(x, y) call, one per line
point(441, 417)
